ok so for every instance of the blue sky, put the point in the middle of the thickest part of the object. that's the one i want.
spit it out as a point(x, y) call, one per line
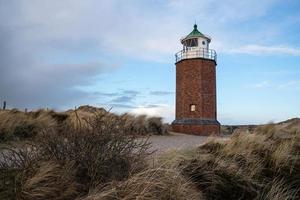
point(62, 53)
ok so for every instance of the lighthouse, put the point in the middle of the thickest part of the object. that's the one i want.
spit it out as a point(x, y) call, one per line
point(196, 98)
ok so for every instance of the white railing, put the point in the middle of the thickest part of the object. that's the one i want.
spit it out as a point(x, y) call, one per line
point(192, 52)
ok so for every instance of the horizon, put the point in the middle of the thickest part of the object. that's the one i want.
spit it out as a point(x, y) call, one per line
point(61, 54)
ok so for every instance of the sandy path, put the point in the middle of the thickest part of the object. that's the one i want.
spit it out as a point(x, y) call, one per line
point(162, 144)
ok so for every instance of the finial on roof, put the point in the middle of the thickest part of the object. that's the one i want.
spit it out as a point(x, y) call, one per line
point(195, 26)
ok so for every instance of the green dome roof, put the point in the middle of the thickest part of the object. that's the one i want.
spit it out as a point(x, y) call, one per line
point(195, 33)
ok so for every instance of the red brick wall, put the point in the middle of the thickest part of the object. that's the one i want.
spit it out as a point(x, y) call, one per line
point(196, 84)
point(203, 130)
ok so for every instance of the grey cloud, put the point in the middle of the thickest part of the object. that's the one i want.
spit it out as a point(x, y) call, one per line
point(106, 94)
point(120, 105)
point(48, 48)
point(126, 96)
point(131, 92)
point(47, 87)
point(122, 99)
point(35, 66)
point(160, 93)
point(152, 106)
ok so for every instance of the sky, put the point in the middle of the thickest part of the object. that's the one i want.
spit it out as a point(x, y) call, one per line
point(120, 54)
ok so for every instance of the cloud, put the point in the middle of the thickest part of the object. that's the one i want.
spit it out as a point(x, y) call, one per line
point(42, 58)
point(217, 11)
point(227, 118)
point(152, 106)
point(267, 50)
point(52, 48)
point(33, 85)
point(290, 85)
point(106, 94)
point(165, 111)
point(160, 93)
point(131, 92)
point(260, 85)
point(132, 106)
point(120, 105)
point(121, 98)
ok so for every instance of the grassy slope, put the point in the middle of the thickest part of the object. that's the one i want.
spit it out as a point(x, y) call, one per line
point(262, 165)
point(230, 129)
point(89, 163)
point(17, 125)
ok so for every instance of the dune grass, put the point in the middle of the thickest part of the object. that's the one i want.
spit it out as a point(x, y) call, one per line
point(95, 157)
point(65, 162)
point(16, 125)
point(150, 184)
point(263, 165)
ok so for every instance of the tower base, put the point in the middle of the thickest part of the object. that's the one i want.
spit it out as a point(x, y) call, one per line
point(203, 127)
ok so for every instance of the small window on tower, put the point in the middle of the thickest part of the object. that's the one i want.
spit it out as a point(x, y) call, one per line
point(193, 107)
point(203, 42)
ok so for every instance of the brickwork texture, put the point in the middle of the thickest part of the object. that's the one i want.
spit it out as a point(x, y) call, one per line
point(196, 85)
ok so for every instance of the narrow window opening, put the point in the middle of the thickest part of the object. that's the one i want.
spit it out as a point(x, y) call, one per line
point(193, 107)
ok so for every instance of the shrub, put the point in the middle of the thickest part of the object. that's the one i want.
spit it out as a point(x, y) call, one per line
point(143, 125)
point(65, 161)
point(155, 125)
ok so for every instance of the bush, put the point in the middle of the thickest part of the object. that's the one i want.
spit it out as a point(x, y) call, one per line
point(143, 125)
point(63, 162)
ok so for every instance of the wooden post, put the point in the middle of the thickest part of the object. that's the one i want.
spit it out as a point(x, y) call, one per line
point(4, 105)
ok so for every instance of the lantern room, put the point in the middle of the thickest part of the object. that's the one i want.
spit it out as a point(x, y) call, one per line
point(195, 40)
point(196, 45)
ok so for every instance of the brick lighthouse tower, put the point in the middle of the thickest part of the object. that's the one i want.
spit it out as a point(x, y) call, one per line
point(196, 102)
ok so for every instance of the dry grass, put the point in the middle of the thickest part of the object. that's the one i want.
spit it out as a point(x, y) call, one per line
point(67, 161)
point(151, 184)
point(248, 166)
point(279, 190)
point(98, 156)
point(171, 158)
point(144, 125)
point(50, 181)
point(17, 125)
